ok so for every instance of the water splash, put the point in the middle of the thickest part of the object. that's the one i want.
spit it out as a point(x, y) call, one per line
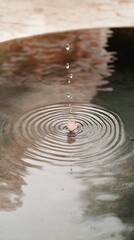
point(70, 125)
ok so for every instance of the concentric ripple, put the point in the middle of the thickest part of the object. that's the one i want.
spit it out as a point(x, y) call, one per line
point(99, 135)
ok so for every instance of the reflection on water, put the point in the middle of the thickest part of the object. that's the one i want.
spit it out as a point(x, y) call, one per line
point(69, 186)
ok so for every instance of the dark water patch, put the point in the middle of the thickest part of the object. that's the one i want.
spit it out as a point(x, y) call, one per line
point(122, 44)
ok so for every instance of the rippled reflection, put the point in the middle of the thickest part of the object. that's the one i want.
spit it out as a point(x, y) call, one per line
point(43, 58)
point(99, 135)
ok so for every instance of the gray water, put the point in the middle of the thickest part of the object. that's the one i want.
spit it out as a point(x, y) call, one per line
point(56, 185)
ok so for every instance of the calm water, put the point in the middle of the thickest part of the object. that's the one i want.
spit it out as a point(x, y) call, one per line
point(55, 185)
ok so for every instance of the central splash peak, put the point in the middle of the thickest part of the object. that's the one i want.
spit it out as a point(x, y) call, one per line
point(71, 125)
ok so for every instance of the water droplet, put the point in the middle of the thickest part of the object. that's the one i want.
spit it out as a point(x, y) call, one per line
point(67, 66)
point(71, 75)
point(68, 95)
point(69, 81)
point(68, 47)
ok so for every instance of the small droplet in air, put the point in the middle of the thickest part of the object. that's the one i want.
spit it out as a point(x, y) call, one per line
point(69, 81)
point(68, 95)
point(67, 66)
point(68, 47)
point(71, 76)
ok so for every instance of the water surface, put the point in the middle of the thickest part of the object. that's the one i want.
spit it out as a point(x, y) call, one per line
point(56, 185)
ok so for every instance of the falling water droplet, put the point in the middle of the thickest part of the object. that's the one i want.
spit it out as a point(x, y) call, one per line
point(68, 95)
point(67, 66)
point(69, 81)
point(68, 47)
point(70, 110)
point(71, 76)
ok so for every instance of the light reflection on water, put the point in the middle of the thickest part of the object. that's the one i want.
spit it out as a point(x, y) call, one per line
point(61, 186)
